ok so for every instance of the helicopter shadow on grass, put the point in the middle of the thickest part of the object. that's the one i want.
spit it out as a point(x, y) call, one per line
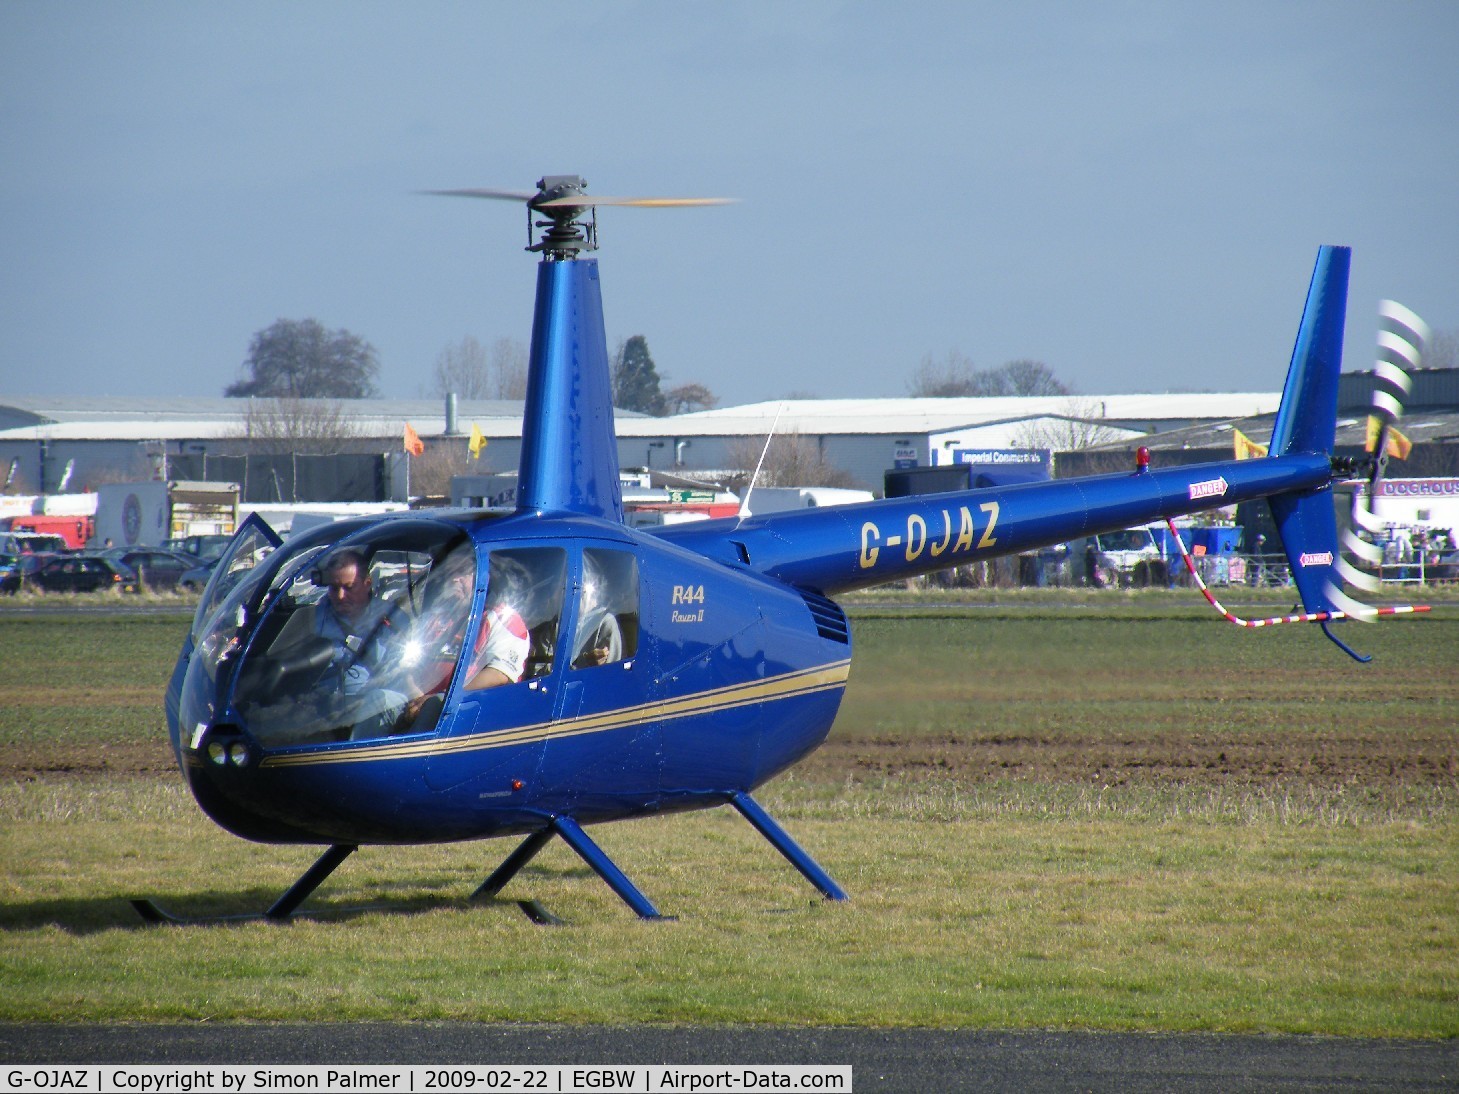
point(84, 916)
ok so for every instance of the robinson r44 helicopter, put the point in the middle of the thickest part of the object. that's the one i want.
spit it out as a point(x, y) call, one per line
point(462, 674)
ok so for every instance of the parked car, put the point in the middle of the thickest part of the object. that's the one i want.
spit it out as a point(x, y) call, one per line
point(204, 547)
point(31, 561)
point(155, 567)
point(24, 543)
point(196, 579)
point(82, 573)
point(9, 573)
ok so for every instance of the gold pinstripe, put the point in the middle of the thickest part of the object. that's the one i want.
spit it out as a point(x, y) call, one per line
point(786, 686)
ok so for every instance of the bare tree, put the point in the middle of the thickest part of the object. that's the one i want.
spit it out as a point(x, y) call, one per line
point(953, 377)
point(279, 433)
point(1031, 378)
point(299, 359)
point(790, 460)
point(301, 427)
point(463, 369)
point(466, 369)
point(444, 458)
point(1079, 425)
point(509, 360)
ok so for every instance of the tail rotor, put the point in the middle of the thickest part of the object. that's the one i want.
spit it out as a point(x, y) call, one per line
point(1306, 521)
point(1401, 338)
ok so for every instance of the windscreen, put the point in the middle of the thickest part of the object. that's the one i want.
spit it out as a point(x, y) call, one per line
point(359, 638)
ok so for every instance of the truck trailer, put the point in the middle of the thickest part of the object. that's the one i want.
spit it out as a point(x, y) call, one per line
point(148, 514)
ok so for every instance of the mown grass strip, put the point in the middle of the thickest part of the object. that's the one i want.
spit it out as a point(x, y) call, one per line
point(1284, 905)
point(1095, 921)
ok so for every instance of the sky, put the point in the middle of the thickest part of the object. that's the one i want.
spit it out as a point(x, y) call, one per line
point(1131, 193)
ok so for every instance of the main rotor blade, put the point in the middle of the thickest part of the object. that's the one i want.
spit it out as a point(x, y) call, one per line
point(496, 195)
point(585, 200)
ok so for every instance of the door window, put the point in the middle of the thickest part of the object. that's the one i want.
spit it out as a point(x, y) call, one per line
point(607, 618)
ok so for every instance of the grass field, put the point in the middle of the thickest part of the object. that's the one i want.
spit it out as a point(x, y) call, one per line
point(1112, 814)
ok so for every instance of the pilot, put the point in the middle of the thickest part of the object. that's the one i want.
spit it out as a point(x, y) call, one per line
point(362, 630)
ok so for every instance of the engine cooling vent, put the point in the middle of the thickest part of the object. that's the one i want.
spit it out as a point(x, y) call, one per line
point(830, 619)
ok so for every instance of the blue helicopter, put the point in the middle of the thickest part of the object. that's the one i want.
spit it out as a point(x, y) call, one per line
point(455, 675)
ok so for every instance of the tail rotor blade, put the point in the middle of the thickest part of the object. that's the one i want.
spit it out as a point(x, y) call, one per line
point(1370, 553)
point(1356, 577)
point(1401, 338)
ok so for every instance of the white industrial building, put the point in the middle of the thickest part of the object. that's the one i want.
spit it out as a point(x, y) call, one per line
point(50, 444)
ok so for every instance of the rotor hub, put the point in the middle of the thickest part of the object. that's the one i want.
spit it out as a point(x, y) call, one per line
point(566, 231)
point(565, 214)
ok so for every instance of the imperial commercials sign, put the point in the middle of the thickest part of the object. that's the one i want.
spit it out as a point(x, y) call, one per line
point(1004, 466)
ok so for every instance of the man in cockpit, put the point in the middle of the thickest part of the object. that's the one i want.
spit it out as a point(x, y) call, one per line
point(361, 628)
point(359, 625)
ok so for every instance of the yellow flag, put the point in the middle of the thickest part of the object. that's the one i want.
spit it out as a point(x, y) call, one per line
point(1399, 446)
point(411, 441)
point(1246, 448)
point(477, 442)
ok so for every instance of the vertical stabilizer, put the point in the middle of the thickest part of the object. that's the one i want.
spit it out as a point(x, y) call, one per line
point(1305, 424)
point(569, 447)
point(1307, 418)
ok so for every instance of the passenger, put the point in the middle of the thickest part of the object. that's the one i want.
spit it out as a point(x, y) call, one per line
point(503, 643)
point(438, 634)
point(443, 617)
point(600, 638)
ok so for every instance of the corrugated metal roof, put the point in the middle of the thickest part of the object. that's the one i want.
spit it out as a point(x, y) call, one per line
point(913, 415)
point(1422, 427)
point(1009, 434)
point(98, 408)
point(136, 418)
point(82, 418)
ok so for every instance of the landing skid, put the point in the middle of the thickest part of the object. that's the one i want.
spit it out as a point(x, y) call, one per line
point(572, 834)
point(278, 912)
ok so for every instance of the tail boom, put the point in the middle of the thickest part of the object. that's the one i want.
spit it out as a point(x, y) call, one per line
point(837, 550)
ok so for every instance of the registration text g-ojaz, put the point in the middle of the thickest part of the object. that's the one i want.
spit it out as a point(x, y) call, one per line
point(50, 1078)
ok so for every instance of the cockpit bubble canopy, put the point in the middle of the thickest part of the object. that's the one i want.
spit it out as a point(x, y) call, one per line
point(335, 637)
